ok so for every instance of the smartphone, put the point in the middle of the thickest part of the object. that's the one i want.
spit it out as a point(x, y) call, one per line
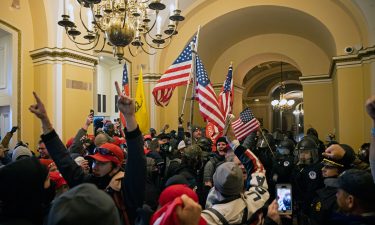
point(91, 112)
point(284, 198)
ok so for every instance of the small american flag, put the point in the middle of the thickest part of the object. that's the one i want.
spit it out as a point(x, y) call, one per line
point(125, 89)
point(245, 125)
point(125, 80)
point(208, 104)
point(226, 94)
point(177, 74)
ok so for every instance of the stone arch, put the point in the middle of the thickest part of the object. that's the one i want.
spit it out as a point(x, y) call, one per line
point(332, 37)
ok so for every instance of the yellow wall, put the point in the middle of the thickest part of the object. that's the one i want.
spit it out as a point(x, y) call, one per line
point(17, 18)
point(76, 103)
point(350, 105)
point(261, 111)
point(318, 108)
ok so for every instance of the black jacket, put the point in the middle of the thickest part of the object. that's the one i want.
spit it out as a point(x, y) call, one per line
point(324, 204)
point(133, 184)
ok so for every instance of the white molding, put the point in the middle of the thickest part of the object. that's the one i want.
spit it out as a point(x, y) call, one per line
point(64, 55)
point(316, 79)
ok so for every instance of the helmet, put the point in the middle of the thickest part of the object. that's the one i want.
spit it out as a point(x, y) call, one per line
point(307, 150)
point(205, 144)
point(285, 147)
point(313, 132)
point(193, 152)
point(278, 135)
point(364, 153)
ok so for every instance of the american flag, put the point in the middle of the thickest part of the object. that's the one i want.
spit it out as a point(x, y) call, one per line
point(177, 74)
point(125, 80)
point(245, 125)
point(226, 94)
point(208, 104)
point(125, 89)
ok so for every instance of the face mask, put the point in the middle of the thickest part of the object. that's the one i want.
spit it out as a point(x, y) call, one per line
point(283, 151)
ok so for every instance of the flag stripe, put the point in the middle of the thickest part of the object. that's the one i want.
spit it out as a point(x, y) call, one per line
point(245, 124)
point(226, 94)
point(206, 96)
point(176, 75)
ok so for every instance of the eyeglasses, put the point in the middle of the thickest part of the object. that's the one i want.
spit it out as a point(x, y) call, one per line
point(103, 151)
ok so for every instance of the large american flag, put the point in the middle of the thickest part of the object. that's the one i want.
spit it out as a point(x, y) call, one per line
point(226, 94)
point(208, 104)
point(177, 74)
point(125, 89)
point(246, 124)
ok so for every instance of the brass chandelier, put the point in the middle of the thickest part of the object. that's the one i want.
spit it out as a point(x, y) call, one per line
point(121, 23)
point(282, 103)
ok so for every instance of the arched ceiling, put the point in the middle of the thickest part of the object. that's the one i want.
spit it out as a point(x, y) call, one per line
point(231, 28)
point(264, 78)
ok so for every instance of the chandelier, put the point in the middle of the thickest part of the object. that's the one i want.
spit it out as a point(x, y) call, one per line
point(282, 103)
point(122, 23)
point(299, 109)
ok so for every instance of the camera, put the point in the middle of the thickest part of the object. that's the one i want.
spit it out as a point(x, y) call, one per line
point(349, 50)
point(166, 147)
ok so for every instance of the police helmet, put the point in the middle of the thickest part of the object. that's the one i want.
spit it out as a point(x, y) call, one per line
point(285, 147)
point(364, 153)
point(205, 144)
point(307, 144)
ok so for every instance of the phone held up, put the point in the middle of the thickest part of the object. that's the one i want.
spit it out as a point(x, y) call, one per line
point(91, 112)
point(284, 198)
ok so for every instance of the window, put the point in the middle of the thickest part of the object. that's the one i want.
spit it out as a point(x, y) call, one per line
point(99, 103)
point(104, 103)
point(116, 108)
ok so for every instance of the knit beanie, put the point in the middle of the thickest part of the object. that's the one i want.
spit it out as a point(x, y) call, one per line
point(221, 139)
point(228, 179)
point(20, 151)
point(174, 191)
point(84, 204)
point(169, 199)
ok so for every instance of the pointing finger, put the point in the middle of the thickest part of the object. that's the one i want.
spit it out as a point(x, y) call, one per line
point(36, 97)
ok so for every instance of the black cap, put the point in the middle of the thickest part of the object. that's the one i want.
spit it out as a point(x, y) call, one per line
point(195, 127)
point(349, 155)
point(221, 139)
point(358, 183)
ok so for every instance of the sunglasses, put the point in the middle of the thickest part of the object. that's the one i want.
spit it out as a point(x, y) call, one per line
point(104, 151)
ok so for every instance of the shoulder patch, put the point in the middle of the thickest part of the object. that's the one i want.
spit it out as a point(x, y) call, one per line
point(312, 175)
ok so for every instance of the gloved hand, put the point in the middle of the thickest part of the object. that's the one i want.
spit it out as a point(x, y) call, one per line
point(14, 129)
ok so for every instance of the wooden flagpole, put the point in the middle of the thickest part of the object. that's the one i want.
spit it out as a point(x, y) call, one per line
point(194, 49)
point(264, 137)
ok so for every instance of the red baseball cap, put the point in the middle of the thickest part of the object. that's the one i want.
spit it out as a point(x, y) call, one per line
point(108, 152)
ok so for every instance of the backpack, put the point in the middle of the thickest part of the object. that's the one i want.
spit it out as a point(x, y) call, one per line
point(170, 167)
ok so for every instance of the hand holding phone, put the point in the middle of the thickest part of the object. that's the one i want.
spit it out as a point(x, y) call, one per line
point(284, 198)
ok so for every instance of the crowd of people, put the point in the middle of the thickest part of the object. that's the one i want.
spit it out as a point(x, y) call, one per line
point(181, 177)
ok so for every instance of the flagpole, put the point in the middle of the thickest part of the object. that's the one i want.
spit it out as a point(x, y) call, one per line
point(269, 147)
point(194, 49)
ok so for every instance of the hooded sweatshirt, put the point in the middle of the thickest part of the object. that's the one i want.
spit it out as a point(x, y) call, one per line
point(22, 191)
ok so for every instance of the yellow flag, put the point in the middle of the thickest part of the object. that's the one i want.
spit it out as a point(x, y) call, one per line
point(141, 114)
